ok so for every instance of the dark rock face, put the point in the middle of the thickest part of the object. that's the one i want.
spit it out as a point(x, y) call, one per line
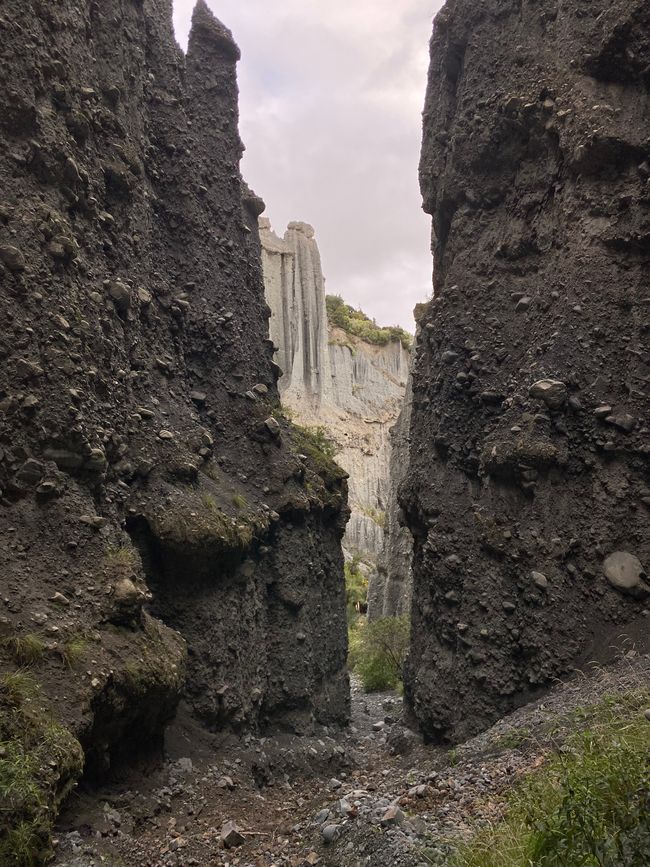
point(141, 473)
point(530, 437)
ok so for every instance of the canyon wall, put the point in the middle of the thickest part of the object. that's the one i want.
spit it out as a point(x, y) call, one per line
point(159, 533)
point(390, 587)
point(331, 378)
point(528, 491)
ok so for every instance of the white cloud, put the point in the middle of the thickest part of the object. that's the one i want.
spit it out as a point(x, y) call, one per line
point(331, 100)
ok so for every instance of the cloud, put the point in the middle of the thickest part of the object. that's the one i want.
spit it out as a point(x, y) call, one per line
point(331, 99)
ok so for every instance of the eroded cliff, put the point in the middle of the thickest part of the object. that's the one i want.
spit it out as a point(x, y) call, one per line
point(334, 379)
point(390, 587)
point(159, 533)
point(528, 492)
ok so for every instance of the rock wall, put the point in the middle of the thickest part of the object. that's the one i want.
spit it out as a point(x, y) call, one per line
point(390, 587)
point(331, 378)
point(151, 508)
point(528, 492)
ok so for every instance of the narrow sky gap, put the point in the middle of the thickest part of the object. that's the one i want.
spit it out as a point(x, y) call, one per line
point(331, 101)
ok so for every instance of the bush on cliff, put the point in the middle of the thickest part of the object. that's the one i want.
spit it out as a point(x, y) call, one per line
point(356, 322)
point(588, 805)
point(377, 651)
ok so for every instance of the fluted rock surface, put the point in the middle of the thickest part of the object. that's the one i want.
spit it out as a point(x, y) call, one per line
point(148, 500)
point(353, 388)
point(530, 437)
point(390, 587)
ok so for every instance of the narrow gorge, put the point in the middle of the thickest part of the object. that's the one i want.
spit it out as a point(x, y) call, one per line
point(199, 444)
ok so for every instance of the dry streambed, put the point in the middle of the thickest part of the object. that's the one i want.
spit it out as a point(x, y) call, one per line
point(373, 795)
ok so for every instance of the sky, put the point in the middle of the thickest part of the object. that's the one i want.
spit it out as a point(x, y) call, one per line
point(331, 97)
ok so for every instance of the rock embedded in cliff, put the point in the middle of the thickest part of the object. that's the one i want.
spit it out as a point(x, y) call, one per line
point(551, 391)
point(625, 572)
point(12, 258)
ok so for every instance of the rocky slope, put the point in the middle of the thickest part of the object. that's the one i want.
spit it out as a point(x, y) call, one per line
point(332, 378)
point(158, 532)
point(528, 492)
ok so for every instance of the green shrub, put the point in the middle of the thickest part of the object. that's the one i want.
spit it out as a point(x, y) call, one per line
point(315, 441)
point(356, 322)
point(377, 651)
point(588, 805)
point(356, 588)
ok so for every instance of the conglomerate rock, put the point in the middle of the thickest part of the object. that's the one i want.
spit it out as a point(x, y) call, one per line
point(150, 506)
point(530, 433)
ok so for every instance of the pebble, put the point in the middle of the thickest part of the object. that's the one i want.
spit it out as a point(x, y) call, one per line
point(331, 833)
point(392, 816)
point(231, 836)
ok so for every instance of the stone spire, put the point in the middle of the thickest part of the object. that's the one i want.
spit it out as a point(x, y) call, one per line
point(209, 33)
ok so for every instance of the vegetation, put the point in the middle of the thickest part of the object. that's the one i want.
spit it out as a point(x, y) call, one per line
point(356, 322)
point(377, 651)
point(207, 527)
point(25, 650)
point(239, 501)
point(39, 764)
point(356, 589)
point(209, 503)
point(280, 412)
point(316, 443)
point(375, 515)
point(588, 805)
point(211, 470)
point(514, 739)
point(121, 556)
point(73, 650)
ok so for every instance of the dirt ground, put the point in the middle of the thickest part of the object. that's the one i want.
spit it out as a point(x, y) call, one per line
point(372, 795)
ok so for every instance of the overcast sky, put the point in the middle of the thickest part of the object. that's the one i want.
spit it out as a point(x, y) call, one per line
point(331, 99)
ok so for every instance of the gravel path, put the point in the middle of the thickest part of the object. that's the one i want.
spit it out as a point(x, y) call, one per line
point(373, 796)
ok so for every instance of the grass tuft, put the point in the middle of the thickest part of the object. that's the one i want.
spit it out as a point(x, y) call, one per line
point(25, 650)
point(239, 501)
point(73, 650)
point(121, 556)
point(588, 805)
